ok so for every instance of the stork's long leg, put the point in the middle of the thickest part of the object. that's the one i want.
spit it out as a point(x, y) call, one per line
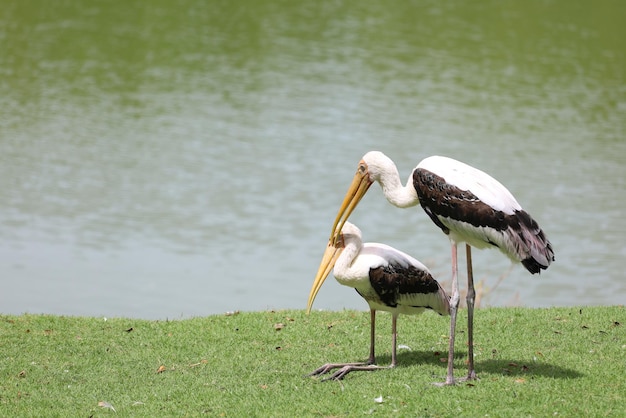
point(394, 340)
point(372, 358)
point(471, 294)
point(454, 305)
point(345, 368)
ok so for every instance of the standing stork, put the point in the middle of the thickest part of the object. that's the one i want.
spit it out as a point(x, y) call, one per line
point(469, 206)
point(388, 279)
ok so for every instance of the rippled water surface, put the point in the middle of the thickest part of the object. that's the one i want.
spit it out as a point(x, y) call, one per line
point(176, 159)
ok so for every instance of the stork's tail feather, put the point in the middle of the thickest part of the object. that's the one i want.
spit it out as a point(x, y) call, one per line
point(533, 247)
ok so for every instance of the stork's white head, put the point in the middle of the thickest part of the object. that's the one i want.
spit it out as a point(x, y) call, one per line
point(376, 165)
point(349, 235)
point(350, 231)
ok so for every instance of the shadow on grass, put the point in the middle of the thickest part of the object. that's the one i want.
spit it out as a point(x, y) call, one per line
point(500, 367)
point(523, 368)
point(411, 358)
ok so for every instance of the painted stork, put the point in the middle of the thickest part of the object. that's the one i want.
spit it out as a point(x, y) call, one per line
point(388, 279)
point(469, 206)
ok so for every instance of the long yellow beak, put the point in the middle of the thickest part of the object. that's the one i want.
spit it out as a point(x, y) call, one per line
point(329, 259)
point(360, 183)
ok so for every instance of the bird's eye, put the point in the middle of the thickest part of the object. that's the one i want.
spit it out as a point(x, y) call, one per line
point(362, 168)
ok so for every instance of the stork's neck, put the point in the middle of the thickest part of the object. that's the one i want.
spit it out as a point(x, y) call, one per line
point(343, 271)
point(383, 170)
point(397, 194)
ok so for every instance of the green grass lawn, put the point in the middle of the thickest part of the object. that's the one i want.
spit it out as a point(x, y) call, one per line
point(567, 362)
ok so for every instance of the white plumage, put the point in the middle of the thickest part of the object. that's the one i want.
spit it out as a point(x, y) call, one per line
point(388, 279)
point(487, 189)
point(468, 205)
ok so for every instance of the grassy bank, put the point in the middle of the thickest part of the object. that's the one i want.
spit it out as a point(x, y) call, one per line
point(532, 362)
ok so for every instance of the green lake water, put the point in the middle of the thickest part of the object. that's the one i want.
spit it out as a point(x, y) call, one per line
point(170, 159)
